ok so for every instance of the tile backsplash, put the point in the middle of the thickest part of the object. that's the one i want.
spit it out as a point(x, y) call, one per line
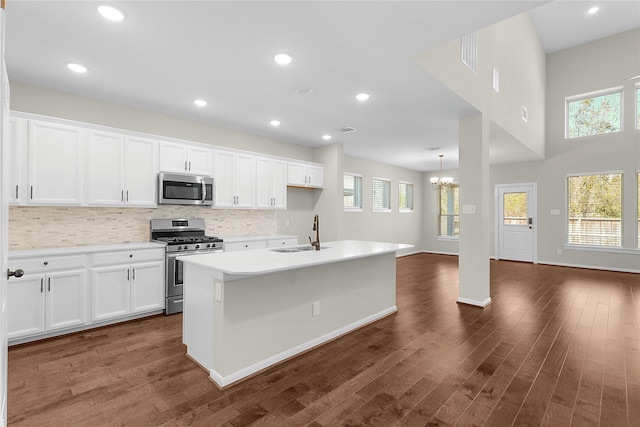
point(37, 227)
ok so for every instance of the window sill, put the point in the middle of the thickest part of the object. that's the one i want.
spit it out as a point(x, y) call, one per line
point(448, 239)
point(405, 210)
point(381, 210)
point(352, 210)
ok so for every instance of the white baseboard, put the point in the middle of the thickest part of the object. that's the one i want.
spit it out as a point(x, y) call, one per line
point(590, 267)
point(468, 301)
point(225, 381)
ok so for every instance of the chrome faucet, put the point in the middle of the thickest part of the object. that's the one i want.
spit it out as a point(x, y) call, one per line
point(316, 228)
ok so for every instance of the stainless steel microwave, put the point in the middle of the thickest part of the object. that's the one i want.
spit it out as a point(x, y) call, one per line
point(184, 189)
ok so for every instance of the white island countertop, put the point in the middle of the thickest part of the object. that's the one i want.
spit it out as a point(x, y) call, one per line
point(237, 265)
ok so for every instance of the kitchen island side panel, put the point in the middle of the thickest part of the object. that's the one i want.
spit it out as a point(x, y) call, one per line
point(269, 316)
point(198, 319)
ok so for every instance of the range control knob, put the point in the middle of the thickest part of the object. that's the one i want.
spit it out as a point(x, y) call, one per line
point(179, 248)
point(197, 246)
point(208, 245)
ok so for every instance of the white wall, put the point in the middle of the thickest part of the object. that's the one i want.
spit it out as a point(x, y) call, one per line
point(598, 65)
point(513, 48)
point(394, 226)
point(37, 100)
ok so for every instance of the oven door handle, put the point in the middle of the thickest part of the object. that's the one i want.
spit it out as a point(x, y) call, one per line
point(204, 192)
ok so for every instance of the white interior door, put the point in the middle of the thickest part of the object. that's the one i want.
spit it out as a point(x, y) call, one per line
point(4, 213)
point(516, 216)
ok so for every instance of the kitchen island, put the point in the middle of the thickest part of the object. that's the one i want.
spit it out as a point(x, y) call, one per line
point(246, 311)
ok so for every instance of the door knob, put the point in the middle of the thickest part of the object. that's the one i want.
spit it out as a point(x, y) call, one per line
point(18, 273)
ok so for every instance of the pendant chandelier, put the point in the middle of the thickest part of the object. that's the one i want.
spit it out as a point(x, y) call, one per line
point(437, 182)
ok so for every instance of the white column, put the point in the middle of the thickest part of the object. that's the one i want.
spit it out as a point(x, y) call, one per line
point(475, 201)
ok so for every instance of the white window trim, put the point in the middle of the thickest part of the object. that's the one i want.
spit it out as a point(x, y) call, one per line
point(373, 208)
point(355, 209)
point(438, 215)
point(413, 191)
point(566, 224)
point(573, 98)
point(635, 118)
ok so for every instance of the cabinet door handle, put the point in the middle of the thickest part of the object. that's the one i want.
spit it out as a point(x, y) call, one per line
point(127, 195)
point(122, 196)
point(128, 274)
point(16, 191)
point(42, 285)
point(133, 276)
point(31, 196)
point(189, 165)
point(49, 284)
point(185, 165)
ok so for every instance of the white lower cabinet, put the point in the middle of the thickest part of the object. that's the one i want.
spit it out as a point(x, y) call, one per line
point(68, 291)
point(121, 289)
point(40, 303)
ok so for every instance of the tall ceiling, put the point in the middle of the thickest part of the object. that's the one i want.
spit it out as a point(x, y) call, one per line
point(166, 54)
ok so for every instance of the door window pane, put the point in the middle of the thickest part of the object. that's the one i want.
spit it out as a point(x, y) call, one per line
point(514, 208)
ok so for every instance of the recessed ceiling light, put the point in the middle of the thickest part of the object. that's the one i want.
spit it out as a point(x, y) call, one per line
point(326, 137)
point(77, 68)
point(362, 96)
point(593, 10)
point(275, 123)
point(283, 58)
point(200, 102)
point(110, 12)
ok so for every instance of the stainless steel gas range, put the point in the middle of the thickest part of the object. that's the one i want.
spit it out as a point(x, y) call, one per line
point(182, 236)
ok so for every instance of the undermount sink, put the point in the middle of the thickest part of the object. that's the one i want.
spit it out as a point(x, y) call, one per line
point(297, 249)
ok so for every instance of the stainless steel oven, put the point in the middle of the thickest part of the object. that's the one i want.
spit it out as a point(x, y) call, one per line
point(183, 237)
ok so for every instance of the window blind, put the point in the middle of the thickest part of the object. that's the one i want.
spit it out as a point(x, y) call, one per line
point(352, 191)
point(595, 209)
point(381, 189)
point(405, 196)
point(448, 211)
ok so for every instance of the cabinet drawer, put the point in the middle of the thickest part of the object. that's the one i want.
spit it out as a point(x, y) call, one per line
point(48, 263)
point(245, 246)
point(282, 242)
point(125, 257)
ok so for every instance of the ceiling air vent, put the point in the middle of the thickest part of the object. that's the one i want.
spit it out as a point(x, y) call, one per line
point(347, 129)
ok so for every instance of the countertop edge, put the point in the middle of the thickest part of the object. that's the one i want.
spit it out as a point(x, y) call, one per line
point(238, 274)
point(71, 250)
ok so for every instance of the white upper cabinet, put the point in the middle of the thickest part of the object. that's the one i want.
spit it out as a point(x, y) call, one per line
point(305, 175)
point(121, 170)
point(271, 183)
point(18, 160)
point(235, 175)
point(185, 158)
point(55, 164)
point(105, 168)
point(140, 171)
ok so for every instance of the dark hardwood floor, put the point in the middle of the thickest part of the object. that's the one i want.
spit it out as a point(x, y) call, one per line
point(558, 347)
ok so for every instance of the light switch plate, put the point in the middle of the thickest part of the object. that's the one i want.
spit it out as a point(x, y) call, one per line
point(469, 209)
point(554, 212)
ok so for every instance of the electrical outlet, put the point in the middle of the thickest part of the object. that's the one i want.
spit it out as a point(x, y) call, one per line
point(315, 309)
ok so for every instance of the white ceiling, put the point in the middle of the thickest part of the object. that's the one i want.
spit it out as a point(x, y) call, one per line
point(165, 54)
